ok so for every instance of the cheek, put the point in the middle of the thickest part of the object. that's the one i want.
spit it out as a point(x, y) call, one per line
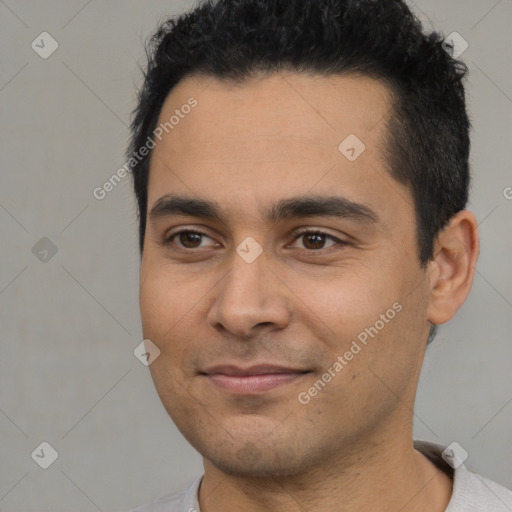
point(363, 317)
point(156, 305)
point(343, 303)
point(173, 312)
point(165, 298)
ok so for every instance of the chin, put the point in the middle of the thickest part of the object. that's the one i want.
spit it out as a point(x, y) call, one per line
point(254, 461)
point(261, 452)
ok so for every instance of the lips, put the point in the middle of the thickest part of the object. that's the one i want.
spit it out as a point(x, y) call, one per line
point(252, 380)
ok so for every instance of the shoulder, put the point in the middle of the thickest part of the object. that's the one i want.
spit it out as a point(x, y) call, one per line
point(183, 501)
point(471, 491)
point(475, 493)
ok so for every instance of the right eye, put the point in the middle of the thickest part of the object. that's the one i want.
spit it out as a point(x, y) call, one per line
point(188, 239)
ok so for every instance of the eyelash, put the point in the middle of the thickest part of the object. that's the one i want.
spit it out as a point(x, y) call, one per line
point(298, 234)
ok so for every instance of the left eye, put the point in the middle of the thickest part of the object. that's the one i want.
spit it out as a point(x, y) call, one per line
point(315, 240)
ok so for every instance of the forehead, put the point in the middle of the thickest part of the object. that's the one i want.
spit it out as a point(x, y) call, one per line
point(275, 133)
point(307, 108)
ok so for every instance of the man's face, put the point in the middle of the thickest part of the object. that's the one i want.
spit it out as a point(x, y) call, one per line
point(250, 330)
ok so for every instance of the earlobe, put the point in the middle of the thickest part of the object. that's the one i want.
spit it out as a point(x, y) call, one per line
point(452, 269)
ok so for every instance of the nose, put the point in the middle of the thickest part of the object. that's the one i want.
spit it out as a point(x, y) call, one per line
point(249, 299)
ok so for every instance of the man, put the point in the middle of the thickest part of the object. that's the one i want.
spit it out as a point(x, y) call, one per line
point(302, 176)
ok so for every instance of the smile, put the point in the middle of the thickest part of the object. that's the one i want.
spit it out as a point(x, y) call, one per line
point(257, 379)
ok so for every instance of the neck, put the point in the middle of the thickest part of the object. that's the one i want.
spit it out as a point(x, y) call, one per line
point(376, 474)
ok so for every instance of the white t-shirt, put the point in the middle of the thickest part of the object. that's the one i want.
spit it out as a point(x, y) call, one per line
point(471, 492)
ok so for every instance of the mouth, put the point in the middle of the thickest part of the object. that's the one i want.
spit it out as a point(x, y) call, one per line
point(252, 380)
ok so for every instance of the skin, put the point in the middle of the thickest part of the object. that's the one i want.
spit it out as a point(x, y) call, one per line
point(300, 303)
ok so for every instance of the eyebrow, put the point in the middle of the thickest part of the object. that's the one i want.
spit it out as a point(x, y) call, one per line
point(293, 207)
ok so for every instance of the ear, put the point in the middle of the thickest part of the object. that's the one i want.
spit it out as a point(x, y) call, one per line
point(452, 269)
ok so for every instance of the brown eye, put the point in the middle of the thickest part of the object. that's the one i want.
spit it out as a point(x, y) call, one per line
point(316, 240)
point(190, 239)
point(187, 239)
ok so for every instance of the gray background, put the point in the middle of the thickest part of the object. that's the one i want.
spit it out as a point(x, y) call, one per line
point(69, 325)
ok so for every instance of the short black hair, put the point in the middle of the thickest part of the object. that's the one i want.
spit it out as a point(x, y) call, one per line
point(428, 129)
